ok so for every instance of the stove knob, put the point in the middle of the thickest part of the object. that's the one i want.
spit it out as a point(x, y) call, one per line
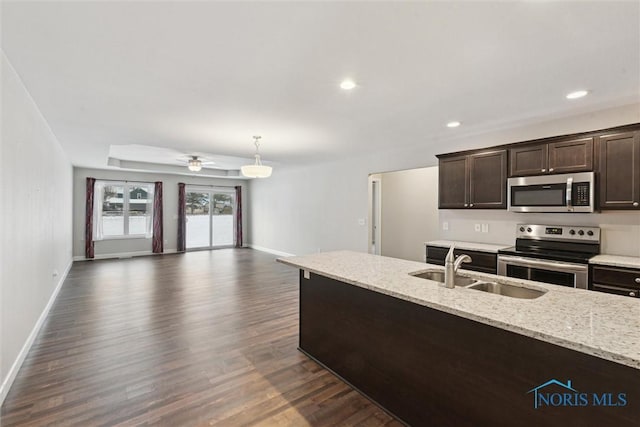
point(589, 233)
point(522, 229)
point(572, 232)
point(529, 229)
point(581, 233)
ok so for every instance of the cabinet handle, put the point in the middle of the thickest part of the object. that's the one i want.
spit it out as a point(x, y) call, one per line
point(632, 294)
point(637, 279)
point(465, 205)
point(550, 169)
point(543, 170)
point(635, 204)
point(471, 205)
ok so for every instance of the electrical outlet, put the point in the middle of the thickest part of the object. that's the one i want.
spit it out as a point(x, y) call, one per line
point(485, 228)
point(477, 228)
point(445, 226)
point(362, 221)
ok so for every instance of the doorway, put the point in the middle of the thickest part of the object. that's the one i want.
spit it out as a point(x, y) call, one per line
point(375, 213)
point(210, 218)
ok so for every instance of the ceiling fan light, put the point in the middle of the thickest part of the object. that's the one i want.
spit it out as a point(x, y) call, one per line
point(195, 165)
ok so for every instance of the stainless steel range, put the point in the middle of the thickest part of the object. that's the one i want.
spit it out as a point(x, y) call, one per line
point(557, 254)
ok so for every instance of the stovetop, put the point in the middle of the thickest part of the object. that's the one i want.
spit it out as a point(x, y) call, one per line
point(556, 243)
point(578, 258)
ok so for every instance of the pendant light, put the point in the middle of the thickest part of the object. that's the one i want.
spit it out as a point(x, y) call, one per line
point(256, 170)
point(195, 164)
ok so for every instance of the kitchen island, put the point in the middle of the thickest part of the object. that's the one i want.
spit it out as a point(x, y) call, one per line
point(437, 356)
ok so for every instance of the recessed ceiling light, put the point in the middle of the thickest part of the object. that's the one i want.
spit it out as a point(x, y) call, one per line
point(347, 85)
point(577, 94)
point(453, 124)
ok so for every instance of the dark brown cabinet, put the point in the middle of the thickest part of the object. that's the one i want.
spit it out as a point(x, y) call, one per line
point(615, 280)
point(453, 181)
point(574, 155)
point(480, 261)
point(620, 170)
point(473, 181)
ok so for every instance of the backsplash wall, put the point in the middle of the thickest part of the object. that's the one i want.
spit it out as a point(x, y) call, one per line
point(620, 230)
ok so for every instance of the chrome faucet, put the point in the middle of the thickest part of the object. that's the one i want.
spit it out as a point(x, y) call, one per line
point(451, 266)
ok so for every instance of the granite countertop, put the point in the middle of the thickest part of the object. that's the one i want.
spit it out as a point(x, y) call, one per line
point(470, 246)
point(596, 323)
point(616, 261)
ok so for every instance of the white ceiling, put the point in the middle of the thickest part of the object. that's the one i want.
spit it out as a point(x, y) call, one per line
point(204, 77)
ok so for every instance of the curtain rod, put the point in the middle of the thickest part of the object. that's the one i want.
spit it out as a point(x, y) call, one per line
point(209, 185)
point(123, 180)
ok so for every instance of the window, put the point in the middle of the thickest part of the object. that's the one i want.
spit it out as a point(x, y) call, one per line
point(123, 209)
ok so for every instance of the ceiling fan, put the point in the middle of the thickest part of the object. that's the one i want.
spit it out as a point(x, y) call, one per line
point(194, 162)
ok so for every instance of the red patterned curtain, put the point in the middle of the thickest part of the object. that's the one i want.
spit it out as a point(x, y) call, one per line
point(158, 240)
point(182, 218)
point(88, 220)
point(238, 216)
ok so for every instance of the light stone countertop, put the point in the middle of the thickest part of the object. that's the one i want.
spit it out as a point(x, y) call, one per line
point(470, 246)
point(595, 323)
point(616, 261)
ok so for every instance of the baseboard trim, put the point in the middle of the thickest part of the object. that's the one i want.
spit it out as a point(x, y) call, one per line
point(268, 250)
point(123, 255)
point(17, 364)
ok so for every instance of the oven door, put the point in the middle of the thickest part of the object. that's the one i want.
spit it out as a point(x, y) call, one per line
point(554, 272)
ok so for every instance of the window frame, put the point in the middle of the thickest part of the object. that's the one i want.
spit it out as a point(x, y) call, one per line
point(126, 190)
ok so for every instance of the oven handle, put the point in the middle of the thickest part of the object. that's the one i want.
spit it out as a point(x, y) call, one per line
point(569, 188)
point(549, 265)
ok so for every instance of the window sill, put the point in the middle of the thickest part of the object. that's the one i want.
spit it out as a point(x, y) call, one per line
point(132, 237)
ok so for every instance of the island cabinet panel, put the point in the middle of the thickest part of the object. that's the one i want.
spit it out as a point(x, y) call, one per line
point(474, 181)
point(620, 171)
point(480, 261)
point(430, 368)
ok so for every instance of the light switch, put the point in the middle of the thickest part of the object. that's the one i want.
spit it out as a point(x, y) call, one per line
point(485, 228)
point(445, 226)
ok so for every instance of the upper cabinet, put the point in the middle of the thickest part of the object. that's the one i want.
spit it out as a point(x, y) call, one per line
point(473, 181)
point(620, 170)
point(453, 182)
point(477, 179)
point(574, 155)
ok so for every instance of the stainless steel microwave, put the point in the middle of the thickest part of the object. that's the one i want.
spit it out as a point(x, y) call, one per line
point(571, 192)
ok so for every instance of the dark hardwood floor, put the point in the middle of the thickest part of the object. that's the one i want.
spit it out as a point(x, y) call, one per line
point(204, 338)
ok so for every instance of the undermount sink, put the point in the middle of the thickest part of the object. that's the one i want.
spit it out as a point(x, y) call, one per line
point(507, 290)
point(438, 276)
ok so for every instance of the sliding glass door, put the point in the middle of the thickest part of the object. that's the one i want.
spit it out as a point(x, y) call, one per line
point(210, 218)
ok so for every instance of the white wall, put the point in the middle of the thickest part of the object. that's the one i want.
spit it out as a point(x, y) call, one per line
point(409, 212)
point(106, 248)
point(620, 230)
point(36, 220)
point(305, 209)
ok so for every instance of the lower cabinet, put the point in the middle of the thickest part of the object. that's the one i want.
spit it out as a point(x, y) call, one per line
point(615, 280)
point(484, 262)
